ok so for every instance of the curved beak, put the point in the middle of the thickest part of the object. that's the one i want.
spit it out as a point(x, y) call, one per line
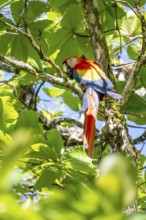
point(65, 67)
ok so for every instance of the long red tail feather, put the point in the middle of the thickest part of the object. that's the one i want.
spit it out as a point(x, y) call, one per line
point(90, 121)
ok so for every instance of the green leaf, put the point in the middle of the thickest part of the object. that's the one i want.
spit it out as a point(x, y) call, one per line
point(139, 83)
point(13, 152)
point(8, 114)
point(143, 76)
point(54, 92)
point(26, 78)
point(4, 3)
point(5, 138)
point(85, 47)
point(61, 5)
point(138, 217)
point(130, 24)
point(55, 141)
point(80, 161)
point(120, 86)
point(19, 48)
point(46, 179)
point(115, 180)
point(35, 9)
point(70, 19)
point(39, 25)
point(80, 154)
point(136, 104)
point(132, 51)
point(132, 3)
point(108, 18)
point(29, 119)
point(139, 119)
point(68, 49)
point(41, 151)
point(71, 100)
point(16, 10)
point(5, 42)
point(57, 39)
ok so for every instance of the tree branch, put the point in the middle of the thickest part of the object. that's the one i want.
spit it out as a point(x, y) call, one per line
point(97, 37)
point(41, 75)
point(141, 58)
point(140, 139)
point(36, 47)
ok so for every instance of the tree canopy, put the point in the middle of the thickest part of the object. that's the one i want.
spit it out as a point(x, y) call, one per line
point(45, 173)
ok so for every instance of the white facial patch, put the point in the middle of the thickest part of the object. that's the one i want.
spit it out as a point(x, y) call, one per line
point(72, 62)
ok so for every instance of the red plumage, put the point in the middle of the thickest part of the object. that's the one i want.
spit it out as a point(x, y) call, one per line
point(92, 100)
point(90, 74)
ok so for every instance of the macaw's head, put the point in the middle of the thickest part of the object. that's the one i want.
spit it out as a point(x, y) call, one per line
point(69, 64)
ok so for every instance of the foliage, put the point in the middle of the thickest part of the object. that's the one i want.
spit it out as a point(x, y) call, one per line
point(45, 173)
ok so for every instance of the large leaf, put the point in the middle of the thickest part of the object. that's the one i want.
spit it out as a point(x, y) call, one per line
point(71, 100)
point(13, 151)
point(5, 42)
point(36, 9)
point(61, 5)
point(80, 161)
point(29, 119)
point(41, 152)
point(132, 3)
point(139, 119)
point(19, 48)
point(55, 40)
point(70, 19)
point(70, 48)
point(130, 24)
point(136, 104)
point(16, 10)
point(132, 51)
point(46, 179)
point(8, 114)
point(26, 78)
point(39, 25)
point(85, 47)
point(117, 174)
point(55, 141)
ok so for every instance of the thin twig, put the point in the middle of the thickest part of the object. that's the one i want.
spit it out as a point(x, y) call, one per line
point(36, 95)
point(140, 139)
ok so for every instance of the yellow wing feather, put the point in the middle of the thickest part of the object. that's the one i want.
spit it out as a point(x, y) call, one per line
point(94, 73)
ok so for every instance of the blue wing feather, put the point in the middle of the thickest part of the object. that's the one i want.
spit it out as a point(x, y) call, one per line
point(104, 86)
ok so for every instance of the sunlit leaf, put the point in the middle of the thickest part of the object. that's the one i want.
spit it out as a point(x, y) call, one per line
point(8, 114)
point(130, 24)
point(132, 51)
point(55, 141)
point(116, 181)
point(71, 100)
point(80, 161)
point(18, 145)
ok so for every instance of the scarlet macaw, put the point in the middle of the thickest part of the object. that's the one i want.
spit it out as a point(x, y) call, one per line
point(89, 73)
